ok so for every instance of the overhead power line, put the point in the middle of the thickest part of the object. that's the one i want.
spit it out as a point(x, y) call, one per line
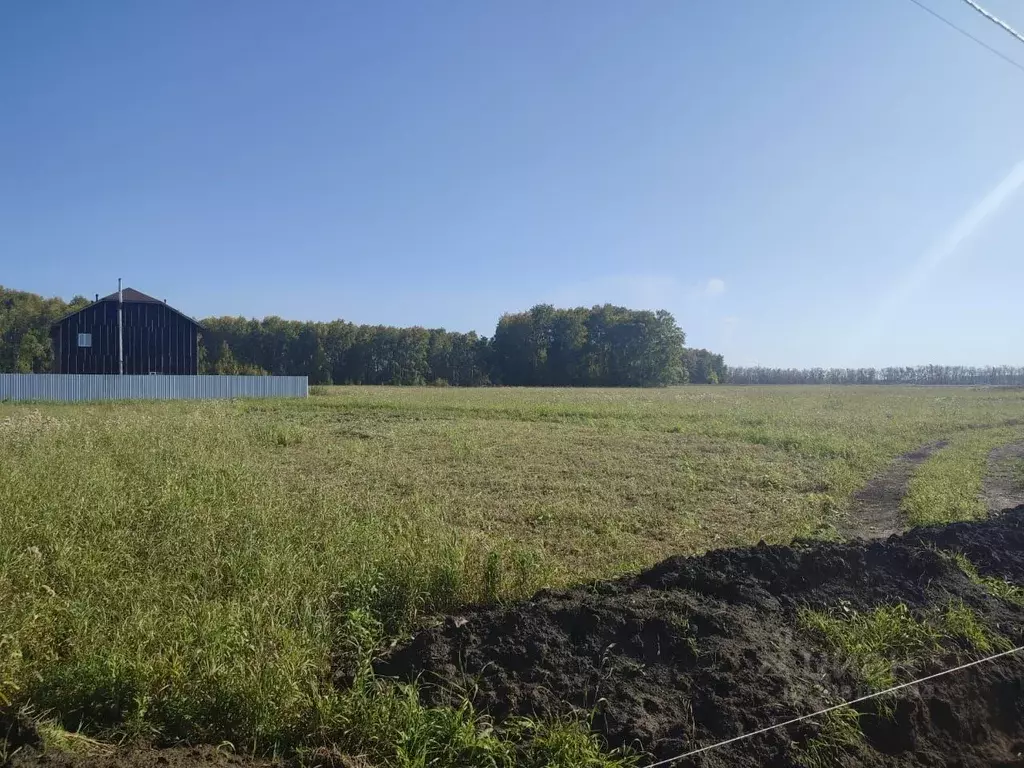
point(968, 35)
point(996, 20)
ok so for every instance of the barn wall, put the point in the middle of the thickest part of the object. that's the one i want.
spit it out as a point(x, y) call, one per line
point(78, 388)
point(156, 340)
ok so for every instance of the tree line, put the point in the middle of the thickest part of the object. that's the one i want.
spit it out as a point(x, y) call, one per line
point(1002, 375)
point(544, 346)
point(339, 352)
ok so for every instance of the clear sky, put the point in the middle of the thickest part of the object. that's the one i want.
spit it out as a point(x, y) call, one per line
point(802, 182)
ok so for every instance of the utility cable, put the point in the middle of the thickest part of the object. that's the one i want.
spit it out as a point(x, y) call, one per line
point(996, 20)
point(968, 35)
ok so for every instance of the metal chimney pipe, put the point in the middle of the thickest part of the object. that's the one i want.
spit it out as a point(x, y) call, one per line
point(120, 329)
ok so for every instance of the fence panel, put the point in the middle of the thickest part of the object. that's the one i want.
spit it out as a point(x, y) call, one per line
point(86, 387)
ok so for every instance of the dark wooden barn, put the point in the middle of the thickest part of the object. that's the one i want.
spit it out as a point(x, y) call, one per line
point(156, 338)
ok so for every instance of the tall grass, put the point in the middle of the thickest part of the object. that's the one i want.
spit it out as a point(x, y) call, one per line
point(157, 581)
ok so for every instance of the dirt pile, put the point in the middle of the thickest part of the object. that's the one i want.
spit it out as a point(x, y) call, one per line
point(697, 650)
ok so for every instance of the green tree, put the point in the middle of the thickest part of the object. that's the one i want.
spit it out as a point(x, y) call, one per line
point(704, 367)
point(225, 363)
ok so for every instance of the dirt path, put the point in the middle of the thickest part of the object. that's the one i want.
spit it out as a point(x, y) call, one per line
point(875, 509)
point(1001, 488)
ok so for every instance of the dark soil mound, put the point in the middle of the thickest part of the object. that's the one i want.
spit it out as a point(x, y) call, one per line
point(16, 732)
point(697, 650)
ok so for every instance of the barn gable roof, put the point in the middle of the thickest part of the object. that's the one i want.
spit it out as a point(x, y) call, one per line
point(131, 296)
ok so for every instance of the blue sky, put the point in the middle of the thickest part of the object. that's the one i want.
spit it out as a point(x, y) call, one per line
point(801, 183)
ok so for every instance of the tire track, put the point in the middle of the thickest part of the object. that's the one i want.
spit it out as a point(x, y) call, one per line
point(1002, 488)
point(875, 509)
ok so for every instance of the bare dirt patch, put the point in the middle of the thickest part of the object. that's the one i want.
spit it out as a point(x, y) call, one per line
point(698, 650)
point(875, 509)
point(1001, 488)
point(178, 757)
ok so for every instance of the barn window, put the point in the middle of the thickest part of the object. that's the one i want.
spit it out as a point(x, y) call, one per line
point(85, 339)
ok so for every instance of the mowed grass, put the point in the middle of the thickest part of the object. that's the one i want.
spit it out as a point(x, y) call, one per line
point(196, 570)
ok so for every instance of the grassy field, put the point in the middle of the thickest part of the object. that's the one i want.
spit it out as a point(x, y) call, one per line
point(197, 570)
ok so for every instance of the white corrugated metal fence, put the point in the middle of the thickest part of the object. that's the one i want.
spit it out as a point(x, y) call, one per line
point(84, 387)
